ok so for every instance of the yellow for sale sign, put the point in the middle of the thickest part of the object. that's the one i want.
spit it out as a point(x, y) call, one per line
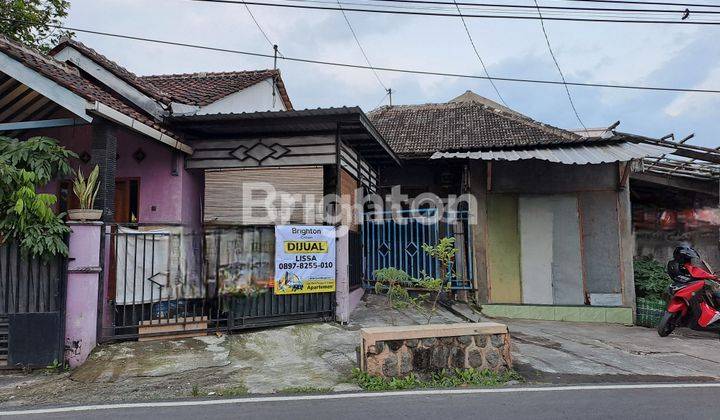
point(304, 259)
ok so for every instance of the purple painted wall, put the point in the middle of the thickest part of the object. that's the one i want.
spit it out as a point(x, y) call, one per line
point(163, 197)
point(82, 292)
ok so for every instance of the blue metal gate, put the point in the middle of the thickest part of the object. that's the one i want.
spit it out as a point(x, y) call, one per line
point(397, 242)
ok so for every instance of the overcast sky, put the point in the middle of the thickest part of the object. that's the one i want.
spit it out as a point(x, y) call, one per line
point(666, 55)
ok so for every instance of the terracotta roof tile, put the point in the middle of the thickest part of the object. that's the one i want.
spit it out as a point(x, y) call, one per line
point(71, 78)
point(415, 131)
point(205, 88)
point(114, 68)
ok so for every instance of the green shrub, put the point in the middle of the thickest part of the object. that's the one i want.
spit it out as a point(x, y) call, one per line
point(26, 216)
point(444, 379)
point(394, 282)
point(651, 279)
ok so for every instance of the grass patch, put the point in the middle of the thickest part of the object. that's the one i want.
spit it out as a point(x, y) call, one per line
point(236, 391)
point(445, 379)
point(304, 390)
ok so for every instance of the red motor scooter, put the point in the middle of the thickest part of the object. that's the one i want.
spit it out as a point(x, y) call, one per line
point(694, 297)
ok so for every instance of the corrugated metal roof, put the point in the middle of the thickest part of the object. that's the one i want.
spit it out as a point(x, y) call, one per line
point(579, 155)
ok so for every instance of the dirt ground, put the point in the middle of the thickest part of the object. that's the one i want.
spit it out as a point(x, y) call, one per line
point(298, 358)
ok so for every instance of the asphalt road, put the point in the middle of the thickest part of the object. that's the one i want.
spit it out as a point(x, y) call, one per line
point(696, 401)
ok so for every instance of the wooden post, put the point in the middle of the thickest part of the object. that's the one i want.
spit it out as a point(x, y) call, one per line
point(104, 154)
point(478, 188)
point(626, 245)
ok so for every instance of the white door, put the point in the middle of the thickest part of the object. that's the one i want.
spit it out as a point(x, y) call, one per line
point(550, 262)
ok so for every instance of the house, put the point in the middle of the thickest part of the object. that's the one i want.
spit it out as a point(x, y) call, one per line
point(174, 252)
point(551, 237)
point(200, 173)
point(674, 199)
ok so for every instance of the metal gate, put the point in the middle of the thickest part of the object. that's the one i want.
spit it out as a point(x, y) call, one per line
point(166, 282)
point(32, 309)
point(396, 239)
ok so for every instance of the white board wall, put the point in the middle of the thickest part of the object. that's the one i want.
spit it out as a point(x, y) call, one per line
point(535, 217)
point(550, 253)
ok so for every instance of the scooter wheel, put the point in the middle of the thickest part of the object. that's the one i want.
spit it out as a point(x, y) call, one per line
point(667, 324)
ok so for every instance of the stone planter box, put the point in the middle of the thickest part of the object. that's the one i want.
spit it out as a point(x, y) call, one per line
point(84, 214)
point(424, 349)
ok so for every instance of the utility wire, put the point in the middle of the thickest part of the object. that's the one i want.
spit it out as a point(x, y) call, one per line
point(445, 6)
point(496, 11)
point(267, 38)
point(382, 100)
point(483, 16)
point(477, 54)
point(362, 50)
point(387, 69)
point(560, 8)
point(651, 3)
point(562, 76)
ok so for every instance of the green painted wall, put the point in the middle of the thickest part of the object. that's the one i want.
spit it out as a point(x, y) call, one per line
point(614, 315)
point(503, 249)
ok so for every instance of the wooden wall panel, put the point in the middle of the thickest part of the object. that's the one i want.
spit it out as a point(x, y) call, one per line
point(259, 152)
point(358, 167)
point(224, 202)
point(503, 249)
point(348, 187)
point(601, 242)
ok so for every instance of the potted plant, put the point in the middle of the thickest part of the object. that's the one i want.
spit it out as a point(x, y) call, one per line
point(86, 189)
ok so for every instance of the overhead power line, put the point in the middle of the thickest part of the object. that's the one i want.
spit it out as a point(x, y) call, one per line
point(477, 54)
point(387, 69)
point(479, 16)
point(559, 8)
point(267, 38)
point(651, 3)
point(562, 76)
point(362, 50)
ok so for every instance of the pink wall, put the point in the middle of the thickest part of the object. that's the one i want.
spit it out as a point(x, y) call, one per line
point(163, 198)
point(82, 292)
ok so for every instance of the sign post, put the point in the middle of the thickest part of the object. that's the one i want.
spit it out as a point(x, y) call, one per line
point(304, 259)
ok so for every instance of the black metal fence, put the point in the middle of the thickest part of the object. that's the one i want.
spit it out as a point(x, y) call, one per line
point(355, 261)
point(32, 304)
point(154, 289)
point(269, 309)
point(151, 288)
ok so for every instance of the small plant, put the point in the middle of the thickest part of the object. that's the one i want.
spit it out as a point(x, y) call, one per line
point(195, 391)
point(396, 284)
point(444, 379)
point(392, 282)
point(86, 189)
point(56, 367)
point(651, 279)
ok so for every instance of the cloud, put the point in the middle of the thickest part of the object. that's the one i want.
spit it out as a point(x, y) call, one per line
point(615, 53)
point(696, 104)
